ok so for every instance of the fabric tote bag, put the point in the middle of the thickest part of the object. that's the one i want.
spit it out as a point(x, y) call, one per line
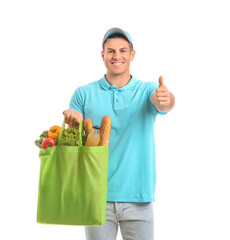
point(73, 184)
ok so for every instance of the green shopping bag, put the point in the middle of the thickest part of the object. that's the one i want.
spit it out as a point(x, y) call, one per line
point(73, 184)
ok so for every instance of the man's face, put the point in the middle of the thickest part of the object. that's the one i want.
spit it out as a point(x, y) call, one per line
point(117, 56)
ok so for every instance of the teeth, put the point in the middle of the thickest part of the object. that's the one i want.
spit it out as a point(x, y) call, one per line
point(117, 64)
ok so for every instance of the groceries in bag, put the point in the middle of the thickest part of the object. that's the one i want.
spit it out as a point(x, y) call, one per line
point(92, 135)
point(73, 182)
point(70, 137)
point(54, 131)
point(48, 142)
point(97, 136)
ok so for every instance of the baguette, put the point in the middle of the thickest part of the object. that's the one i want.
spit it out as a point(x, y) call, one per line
point(88, 125)
point(105, 131)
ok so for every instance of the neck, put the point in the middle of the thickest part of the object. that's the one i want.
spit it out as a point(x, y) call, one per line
point(118, 81)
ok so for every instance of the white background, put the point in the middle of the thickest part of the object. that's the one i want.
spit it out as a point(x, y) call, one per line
point(49, 48)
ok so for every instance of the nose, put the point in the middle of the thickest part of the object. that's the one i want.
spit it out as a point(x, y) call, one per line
point(116, 55)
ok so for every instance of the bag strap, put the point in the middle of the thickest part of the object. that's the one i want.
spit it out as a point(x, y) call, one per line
point(80, 133)
point(80, 129)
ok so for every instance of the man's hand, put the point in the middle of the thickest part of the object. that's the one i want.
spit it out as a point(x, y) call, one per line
point(162, 93)
point(72, 117)
point(162, 99)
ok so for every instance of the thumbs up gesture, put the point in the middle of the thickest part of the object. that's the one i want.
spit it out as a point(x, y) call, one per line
point(162, 93)
point(162, 99)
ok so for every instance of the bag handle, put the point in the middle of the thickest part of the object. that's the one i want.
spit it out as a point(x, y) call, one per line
point(80, 133)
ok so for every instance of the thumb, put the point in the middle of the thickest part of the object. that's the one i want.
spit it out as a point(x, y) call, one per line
point(161, 83)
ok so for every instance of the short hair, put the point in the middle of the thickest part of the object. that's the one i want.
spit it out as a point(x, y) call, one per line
point(118, 35)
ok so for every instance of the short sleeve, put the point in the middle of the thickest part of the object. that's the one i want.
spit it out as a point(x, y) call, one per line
point(152, 89)
point(76, 102)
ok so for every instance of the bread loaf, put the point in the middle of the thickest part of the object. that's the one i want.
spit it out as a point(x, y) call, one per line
point(88, 125)
point(105, 131)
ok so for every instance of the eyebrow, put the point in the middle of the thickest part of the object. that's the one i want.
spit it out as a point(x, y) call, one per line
point(119, 49)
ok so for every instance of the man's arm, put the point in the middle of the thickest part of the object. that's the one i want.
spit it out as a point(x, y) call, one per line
point(162, 99)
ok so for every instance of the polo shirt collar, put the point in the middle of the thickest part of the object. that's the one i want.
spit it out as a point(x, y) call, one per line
point(130, 85)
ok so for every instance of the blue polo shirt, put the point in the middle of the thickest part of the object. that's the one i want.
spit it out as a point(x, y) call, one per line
point(132, 164)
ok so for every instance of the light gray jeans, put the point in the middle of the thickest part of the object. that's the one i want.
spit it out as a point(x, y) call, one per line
point(135, 221)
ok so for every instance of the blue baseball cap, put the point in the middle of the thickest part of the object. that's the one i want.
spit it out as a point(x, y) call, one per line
point(117, 30)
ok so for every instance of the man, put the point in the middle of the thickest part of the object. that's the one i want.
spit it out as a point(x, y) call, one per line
point(133, 106)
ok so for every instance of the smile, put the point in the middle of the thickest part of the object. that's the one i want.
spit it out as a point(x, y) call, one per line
point(117, 64)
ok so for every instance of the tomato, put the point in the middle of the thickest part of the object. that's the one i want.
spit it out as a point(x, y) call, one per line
point(48, 142)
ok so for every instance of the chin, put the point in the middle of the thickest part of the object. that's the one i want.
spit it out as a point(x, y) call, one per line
point(117, 74)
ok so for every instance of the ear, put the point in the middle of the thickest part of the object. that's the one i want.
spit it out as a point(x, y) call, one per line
point(102, 55)
point(132, 55)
